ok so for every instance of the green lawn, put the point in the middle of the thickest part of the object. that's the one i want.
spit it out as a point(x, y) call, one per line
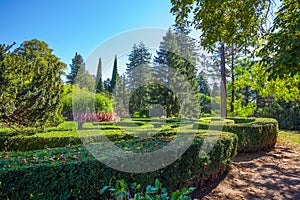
point(292, 137)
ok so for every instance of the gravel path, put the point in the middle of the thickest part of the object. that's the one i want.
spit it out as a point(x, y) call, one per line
point(262, 175)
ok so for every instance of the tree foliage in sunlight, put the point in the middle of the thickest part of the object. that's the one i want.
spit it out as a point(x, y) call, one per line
point(30, 85)
point(281, 53)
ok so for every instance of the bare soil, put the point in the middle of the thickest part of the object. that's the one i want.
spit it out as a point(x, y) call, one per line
point(262, 175)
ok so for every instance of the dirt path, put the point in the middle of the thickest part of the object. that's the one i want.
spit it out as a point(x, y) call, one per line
point(263, 175)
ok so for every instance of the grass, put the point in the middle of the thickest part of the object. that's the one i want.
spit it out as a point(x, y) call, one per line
point(292, 137)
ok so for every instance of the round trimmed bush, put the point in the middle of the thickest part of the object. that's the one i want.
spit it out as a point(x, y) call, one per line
point(254, 134)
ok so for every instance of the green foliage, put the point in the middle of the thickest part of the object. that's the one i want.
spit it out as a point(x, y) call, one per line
point(79, 75)
point(60, 138)
point(138, 72)
point(156, 192)
point(30, 85)
point(84, 101)
point(231, 22)
point(281, 53)
point(177, 51)
point(63, 173)
point(286, 89)
point(242, 110)
point(287, 114)
point(224, 24)
point(77, 63)
point(114, 77)
point(99, 82)
point(254, 134)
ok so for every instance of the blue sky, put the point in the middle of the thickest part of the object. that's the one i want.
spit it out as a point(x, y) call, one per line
point(70, 26)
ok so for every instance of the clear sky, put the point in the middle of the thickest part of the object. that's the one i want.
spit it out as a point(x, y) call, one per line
point(70, 26)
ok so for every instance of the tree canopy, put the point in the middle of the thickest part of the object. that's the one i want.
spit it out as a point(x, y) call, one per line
point(30, 85)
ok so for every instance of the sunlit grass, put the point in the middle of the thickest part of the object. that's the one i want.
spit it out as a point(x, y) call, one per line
point(292, 137)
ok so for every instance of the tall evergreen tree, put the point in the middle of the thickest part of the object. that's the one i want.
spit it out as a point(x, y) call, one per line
point(114, 77)
point(138, 72)
point(176, 54)
point(99, 82)
point(77, 62)
point(138, 67)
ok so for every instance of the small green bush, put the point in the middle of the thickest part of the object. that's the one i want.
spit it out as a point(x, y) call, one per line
point(72, 173)
point(254, 133)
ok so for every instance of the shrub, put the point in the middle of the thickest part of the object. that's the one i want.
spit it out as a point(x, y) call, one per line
point(72, 173)
point(83, 101)
point(254, 133)
point(287, 114)
point(81, 118)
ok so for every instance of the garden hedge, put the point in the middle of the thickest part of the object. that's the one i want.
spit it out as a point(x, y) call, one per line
point(56, 139)
point(67, 134)
point(72, 173)
point(254, 133)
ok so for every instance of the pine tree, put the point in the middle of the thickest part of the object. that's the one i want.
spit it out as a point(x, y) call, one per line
point(138, 67)
point(176, 54)
point(77, 62)
point(115, 76)
point(138, 72)
point(99, 83)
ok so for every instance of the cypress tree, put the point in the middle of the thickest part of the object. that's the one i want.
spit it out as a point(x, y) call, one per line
point(99, 83)
point(115, 76)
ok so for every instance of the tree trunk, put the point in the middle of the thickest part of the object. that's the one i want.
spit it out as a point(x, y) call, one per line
point(232, 82)
point(223, 82)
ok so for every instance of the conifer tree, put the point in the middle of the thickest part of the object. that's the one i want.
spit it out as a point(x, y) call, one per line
point(30, 85)
point(77, 62)
point(115, 76)
point(99, 83)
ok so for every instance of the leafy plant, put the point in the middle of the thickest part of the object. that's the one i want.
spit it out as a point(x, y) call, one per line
point(121, 192)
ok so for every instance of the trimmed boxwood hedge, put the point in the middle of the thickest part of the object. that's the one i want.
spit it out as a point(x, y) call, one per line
point(72, 173)
point(254, 133)
point(55, 139)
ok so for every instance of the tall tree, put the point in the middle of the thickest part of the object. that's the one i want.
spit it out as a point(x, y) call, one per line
point(176, 54)
point(99, 82)
point(138, 67)
point(114, 77)
point(224, 22)
point(138, 72)
point(77, 62)
point(30, 85)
